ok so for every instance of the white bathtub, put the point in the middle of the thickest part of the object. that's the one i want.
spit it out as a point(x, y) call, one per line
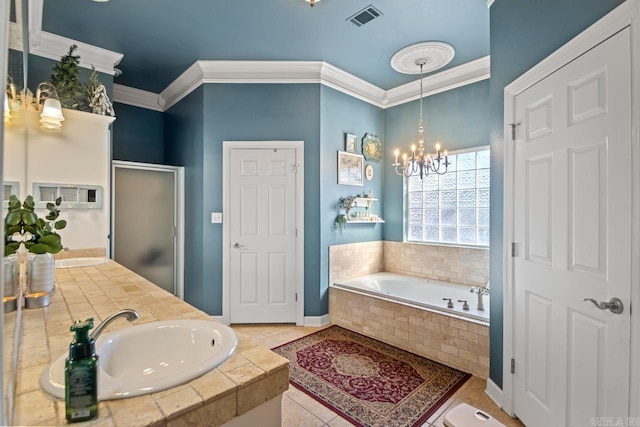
point(423, 293)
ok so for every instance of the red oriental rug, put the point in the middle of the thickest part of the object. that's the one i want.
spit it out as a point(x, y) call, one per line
point(366, 381)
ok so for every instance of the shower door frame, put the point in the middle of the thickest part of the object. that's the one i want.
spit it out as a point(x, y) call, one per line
point(178, 258)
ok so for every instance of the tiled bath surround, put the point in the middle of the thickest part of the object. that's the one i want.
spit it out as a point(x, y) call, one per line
point(457, 343)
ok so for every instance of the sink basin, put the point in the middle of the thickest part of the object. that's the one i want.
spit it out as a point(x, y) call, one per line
point(80, 262)
point(151, 357)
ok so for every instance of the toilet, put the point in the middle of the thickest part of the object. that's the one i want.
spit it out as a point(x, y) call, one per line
point(465, 415)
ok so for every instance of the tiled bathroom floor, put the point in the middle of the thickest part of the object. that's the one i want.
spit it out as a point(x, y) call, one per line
point(300, 410)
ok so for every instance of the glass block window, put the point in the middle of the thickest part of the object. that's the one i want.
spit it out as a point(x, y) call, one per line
point(452, 208)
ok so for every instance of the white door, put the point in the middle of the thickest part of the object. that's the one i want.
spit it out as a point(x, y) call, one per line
point(262, 231)
point(572, 231)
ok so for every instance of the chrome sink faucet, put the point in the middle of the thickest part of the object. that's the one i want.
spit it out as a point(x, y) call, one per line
point(128, 313)
point(479, 290)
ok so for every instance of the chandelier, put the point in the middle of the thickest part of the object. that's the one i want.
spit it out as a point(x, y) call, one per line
point(420, 162)
point(422, 57)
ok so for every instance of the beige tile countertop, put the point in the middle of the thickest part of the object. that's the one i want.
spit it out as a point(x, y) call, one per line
point(252, 376)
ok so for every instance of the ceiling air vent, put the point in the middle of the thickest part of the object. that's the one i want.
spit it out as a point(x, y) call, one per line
point(367, 14)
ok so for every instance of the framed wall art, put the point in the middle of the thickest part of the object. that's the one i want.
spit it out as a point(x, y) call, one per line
point(350, 168)
point(350, 142)
point(372, 148)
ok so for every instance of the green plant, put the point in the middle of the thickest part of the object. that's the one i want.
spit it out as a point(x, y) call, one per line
point(341, 221)
point(22, 226)
point(64, 76)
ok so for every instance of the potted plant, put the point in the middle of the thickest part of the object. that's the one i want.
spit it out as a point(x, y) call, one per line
point(341, 221)
point(39, 237)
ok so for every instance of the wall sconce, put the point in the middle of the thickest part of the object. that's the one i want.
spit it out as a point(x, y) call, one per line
point(312, 2)
point(46, 101)
point(51, 117)
point(7, 113)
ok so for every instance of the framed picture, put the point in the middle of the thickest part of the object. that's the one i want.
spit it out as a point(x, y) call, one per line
point(350, 142)
point(350, 168)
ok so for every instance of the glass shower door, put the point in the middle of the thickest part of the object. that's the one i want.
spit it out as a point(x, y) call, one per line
point(144, 223)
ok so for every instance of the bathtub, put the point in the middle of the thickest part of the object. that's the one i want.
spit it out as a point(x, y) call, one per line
point(409, 313)
point(422, 293)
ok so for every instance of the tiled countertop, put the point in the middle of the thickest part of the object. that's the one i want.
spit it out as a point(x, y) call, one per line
point(252, 376)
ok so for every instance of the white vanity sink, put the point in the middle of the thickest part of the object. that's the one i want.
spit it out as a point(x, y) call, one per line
point(80, 262)
point(151, 357)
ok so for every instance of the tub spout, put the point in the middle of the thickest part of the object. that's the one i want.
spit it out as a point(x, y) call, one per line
point(129, 314)
point(480, 291)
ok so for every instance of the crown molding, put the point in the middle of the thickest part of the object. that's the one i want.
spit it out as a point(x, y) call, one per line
point(470, 72)
point(270, 72)
point(52, 46)
point(137, 97)
point(489, 3)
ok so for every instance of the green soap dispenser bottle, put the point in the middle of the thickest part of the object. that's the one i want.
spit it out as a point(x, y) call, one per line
point(81, 375)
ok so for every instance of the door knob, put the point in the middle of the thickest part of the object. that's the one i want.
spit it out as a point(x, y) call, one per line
point(238, 245)
point(614, 304)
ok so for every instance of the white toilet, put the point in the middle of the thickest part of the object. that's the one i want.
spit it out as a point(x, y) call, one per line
point(465, 415)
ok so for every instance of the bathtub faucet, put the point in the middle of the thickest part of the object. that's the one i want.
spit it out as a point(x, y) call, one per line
point(480, 291)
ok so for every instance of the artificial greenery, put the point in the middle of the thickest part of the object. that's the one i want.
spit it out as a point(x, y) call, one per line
point(64, 77)
point(88, 90)
point(341, 221)
point(22, 226)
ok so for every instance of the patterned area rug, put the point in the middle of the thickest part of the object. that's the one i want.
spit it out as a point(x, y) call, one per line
point(366, 381)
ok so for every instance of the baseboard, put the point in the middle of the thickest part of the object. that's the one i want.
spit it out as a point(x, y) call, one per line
point(494, 392)
point(316, 320)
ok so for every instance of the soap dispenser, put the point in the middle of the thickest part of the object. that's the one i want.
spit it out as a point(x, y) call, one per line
point(81, 375)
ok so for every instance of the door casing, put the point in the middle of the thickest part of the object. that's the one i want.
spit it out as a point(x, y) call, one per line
point(625, 15)
point(179, 211)
point(298, 146)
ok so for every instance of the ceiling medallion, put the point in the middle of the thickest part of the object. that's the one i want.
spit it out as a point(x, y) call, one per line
point(433, 56)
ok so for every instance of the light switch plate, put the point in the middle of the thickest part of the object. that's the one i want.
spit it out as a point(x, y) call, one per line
point(216, 217)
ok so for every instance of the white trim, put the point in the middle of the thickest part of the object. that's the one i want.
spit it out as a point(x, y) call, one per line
point(219, 319)
point(471, 72)
point(489, 3)
point(624, 15)
point(88, 117)
point(178, 172)
point(137, 97)
point(298, 146)
point(317, 320)
point(494, 392)
point(299, 72)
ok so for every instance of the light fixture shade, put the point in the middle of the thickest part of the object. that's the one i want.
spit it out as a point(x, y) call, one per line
point(51, 116)
point(313, 2)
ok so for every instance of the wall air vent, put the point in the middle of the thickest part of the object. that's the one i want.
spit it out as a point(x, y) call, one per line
point(365, 15)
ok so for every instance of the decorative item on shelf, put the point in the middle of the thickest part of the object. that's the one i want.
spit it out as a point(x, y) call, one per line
point(38, 236)
point(412, 60)
point(350, 143)
point(94, 96)
point(372, 148)
point(64, 77)
point(340, 222)
point(346, 203)
point(350, 168)
point(368, 172)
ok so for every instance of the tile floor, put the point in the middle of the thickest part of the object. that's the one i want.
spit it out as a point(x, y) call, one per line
point(300, 410)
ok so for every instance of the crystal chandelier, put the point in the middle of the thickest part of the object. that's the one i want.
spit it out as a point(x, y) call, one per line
point(420, 162)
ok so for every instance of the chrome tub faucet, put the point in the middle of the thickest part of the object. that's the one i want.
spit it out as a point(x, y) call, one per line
point(480, 291)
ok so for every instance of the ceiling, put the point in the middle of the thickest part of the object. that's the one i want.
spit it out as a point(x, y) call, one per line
point(161, 38)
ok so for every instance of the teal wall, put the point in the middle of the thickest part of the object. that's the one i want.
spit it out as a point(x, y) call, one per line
point(138, 135)
point(184, 132)
point(522, 34)
point(340, 113)
point(457, 118)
